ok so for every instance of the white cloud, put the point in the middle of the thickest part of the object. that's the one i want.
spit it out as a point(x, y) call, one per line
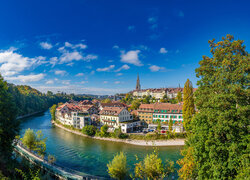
point(92, 72)
point(105, 82)
point(106, 68)
point(131, 57)
point(90, 57)
point(12, 63)
point(50, 82)
point(66, 82)
point(70, 56)
point(117, 82)
point(69, 45)
point(115, 47)
point(80, 74)
point(45, 45)
point(163, 50)
point(60, 72)
point(155, 68)
point(27, 78)
point(119, 74)
point(124, 67)
point(84, 82)
point(53, 61)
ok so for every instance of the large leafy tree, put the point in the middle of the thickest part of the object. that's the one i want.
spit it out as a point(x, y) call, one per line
point(9, 126)
point(218, 145)
point(188, 104)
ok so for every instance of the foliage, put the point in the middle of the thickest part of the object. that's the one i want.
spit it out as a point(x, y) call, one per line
point(32, 175)
point(188, 104)
point(170, 125)
point(29, 100)
point(188, 164)
point(128, 99)
point(9, 126)
point(34, 141)
point(159, 125)
point(152, 167)
point(179, 96)
point(106, 100)
point(117, 168)
point(220, 130)
point(135, 104)
point(146, 100)
point(104, 131)
point(53, 112)
point(118, 134)
point(89, 130)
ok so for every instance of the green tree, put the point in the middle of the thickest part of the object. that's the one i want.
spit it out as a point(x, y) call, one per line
point(34, 141)
point(89, 130)
point(158, 125)
point(152, 167)
point(9, 126)
point(220, 130)
point(104, 131)
point(170, 124)
point(117, 168)
point(106, 100)
point(146, 100)
point(53, 112)
point(188, 104)
point(135, 104)
point(179, 97)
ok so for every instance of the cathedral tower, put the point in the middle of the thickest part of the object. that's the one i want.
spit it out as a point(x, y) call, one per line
point(138, 86)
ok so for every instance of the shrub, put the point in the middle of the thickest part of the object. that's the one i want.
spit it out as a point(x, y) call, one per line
point(89, 130)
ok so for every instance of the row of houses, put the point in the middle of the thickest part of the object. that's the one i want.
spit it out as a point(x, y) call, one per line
point(80, 114)
point(150, 113)
point(116, 114)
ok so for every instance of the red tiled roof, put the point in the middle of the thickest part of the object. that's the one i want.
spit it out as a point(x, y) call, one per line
point(111, 111)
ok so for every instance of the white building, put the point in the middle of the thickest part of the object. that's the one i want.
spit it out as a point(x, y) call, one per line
point(71, 114)
point(114, 116)
point(130, 126)
point(157, 93)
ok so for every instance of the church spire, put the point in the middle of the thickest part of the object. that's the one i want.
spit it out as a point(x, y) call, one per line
point(138, 86)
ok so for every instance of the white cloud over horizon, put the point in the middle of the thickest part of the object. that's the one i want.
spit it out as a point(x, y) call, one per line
point(27, 78)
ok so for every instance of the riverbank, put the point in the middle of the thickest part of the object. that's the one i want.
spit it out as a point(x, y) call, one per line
point(31, 114)
point(170, 142)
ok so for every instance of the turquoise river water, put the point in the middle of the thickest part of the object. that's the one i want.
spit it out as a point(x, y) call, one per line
point(89, 155)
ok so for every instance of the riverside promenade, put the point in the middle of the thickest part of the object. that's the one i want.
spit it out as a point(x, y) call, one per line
point(53, 169)
point(170, 142)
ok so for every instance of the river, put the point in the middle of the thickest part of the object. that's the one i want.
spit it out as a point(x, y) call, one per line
point(85, 154)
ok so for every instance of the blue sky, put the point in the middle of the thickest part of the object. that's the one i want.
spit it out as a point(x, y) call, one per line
point(98, 47)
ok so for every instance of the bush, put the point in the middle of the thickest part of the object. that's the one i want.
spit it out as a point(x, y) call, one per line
point(104, 131)
point(118, 134)
point(89, 130)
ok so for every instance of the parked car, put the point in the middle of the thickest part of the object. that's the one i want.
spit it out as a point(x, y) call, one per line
point(163, 131)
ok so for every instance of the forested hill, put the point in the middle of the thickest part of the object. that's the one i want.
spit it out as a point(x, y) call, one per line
point(29, 100)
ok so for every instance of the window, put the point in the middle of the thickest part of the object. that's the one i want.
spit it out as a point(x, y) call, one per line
point(172, 110)
point(180, 117)
point(162, 111)
point(166, 116)
point(162, 116)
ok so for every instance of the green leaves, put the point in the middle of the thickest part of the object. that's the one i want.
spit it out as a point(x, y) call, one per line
point(219, 138)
